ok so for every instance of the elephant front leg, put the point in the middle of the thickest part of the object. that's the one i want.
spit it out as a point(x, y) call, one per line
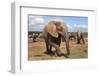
point(50, 51)
point(48, 48)
point(58, 51)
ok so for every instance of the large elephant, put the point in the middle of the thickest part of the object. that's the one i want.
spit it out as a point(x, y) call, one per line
point(52, 33)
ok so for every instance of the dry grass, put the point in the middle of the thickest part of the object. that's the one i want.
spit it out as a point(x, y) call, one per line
point(36, 50)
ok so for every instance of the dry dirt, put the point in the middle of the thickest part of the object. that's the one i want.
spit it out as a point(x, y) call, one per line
point(36, 50)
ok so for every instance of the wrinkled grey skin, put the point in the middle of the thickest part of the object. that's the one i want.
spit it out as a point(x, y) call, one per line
point(55, 42)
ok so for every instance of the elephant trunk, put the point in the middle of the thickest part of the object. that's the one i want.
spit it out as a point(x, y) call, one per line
point(66, 39)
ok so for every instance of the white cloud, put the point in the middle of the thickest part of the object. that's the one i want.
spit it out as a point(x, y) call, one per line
point(34, 20)
point(39, 20)
point(80, 28)
point(36, 23)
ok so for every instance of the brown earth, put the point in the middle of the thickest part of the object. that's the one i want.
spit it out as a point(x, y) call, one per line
point(36, 50)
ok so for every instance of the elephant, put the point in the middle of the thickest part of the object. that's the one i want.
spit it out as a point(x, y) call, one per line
point(72, 36)
point(34, 36)
point(80, 37)
point(53, 32)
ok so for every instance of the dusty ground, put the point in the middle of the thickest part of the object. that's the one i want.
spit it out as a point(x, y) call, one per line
point(36, 50)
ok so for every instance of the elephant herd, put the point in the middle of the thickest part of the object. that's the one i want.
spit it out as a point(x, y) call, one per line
point(53, 33)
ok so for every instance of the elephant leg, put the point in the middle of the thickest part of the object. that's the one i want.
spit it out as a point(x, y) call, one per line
point(58, 51)
point(66, 39)
point(83, 40)
point(67, 47)
point(48, 48)
point(58, 42)
point(78, 41)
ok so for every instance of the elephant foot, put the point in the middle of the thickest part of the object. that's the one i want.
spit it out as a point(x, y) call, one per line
point(66, 55)
point(59, 54)
point(49, 53)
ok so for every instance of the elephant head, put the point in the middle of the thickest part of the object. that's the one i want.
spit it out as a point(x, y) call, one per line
point(54, 28)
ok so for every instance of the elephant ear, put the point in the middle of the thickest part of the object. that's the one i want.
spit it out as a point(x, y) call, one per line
point(65, 28)
point(51, 29)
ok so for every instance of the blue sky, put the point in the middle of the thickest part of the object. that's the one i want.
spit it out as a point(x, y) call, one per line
point(74, 23)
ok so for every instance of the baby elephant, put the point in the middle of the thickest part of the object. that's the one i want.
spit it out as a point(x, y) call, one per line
point(52, 33)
